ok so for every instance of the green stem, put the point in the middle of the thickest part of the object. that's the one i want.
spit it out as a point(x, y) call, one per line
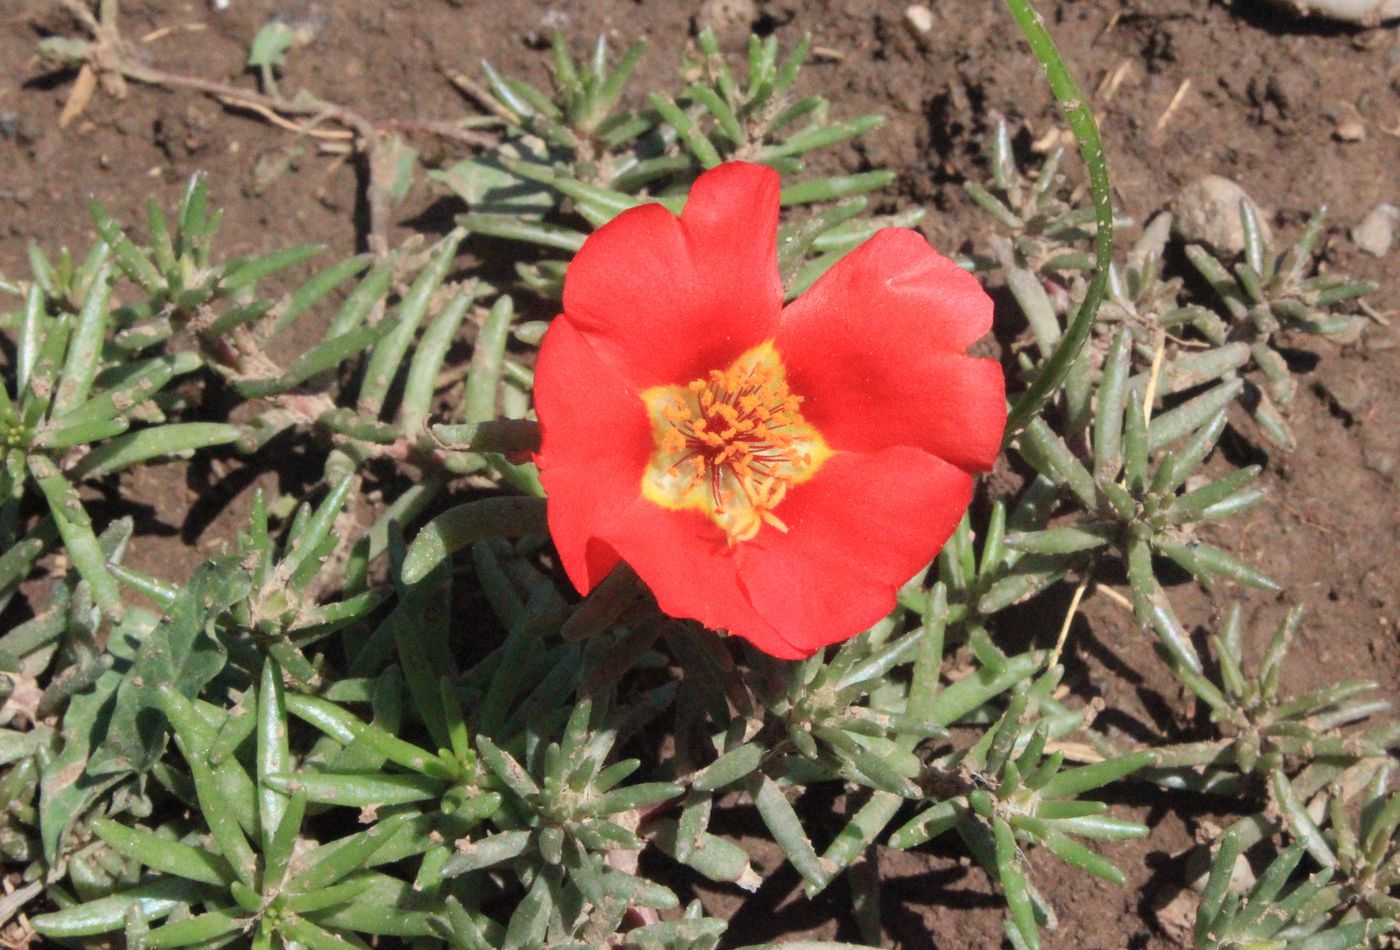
point(1081, 122)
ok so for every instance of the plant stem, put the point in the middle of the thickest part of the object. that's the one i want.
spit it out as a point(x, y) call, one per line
point(1086, 131)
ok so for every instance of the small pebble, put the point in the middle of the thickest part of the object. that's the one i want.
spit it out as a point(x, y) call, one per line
point(1207, 211)
point(724, 15)
point(1350, 130)
point(919, 18)
point(1350, 393)
point(1376, 232)
point(1379, 461)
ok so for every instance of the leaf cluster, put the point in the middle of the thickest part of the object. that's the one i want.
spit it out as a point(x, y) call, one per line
point(377, 716)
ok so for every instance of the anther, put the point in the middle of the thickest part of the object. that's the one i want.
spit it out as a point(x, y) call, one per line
point(731, 443)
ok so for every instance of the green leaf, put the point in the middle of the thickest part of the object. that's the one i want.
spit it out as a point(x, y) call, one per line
point(831, 189)
point(1100, 827)
point(388, 353)
point(193, 930)
point(427, 362)
point(1190, 415)
point(778, 814)
point(16, 563)
point(1067, 849)
point(304, 932)
point(1079, 113)
point(928, 663)
point(358, 791)
point(467, 524)
point(1074, 781)
point(347, 729)
point(133, 261)
point(162, 854)
point(820, 136)
point(85, 346)
point(381, 909)
point(1217, 885)
point(717, 858)
point(69, 782)
point(1067, 539)
point(302, 563)
point(958, 699)
point(860, 833)
point(507, 769)
point(634, 797)
point(1194, 504)
point(1112, 396)
point(299, 301)
point(127, 387)
point(328, 355)
point(728, 768)
point(329, 863)
point(695, 139)
point(487, 852)
point(794, 241)
point(610, 89)
point(31, 329)
point(75, 528)
point(492, 435)
point(270, 45)
point(136, 447)
point(348, 889)
point(219, 810)
point(179, 654)
point(515, 229)
point(925, 826)
point(484, 377)
point(1299, 822)
point(277, 852)
point(273, 753)
point(598, 205)
point(148, 900)
point(1014, 885)
point(1216, 561)
point(1360, 933)
point(1049, 455)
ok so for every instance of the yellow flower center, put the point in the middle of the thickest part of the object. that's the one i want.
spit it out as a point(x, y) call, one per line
point(731, 443)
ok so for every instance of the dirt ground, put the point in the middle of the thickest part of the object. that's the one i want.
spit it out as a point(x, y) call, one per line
point(1300, 113)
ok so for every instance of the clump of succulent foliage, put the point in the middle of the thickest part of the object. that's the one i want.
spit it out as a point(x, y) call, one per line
point(380, 715)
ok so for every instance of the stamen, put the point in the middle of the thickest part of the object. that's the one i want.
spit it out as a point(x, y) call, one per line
point(731, 444)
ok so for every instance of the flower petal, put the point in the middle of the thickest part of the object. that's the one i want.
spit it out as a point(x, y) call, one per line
point(662, 299)
point(857, 531)
point(595, 441)
point(875, 348)
point(684, 559)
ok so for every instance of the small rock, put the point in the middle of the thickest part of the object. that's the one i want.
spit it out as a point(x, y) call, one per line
point(1207, 211)
point(1379, 460)
point(1376, 232)
point(1361, 12)
point(724, 15)
point(1177, 919)
point(1350, 393)
point(1350, 130)
point(919, 18)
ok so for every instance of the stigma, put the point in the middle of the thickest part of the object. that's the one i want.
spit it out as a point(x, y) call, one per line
point(730, 444)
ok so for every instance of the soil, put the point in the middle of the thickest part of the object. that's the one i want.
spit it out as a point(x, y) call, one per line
point(1300, 113)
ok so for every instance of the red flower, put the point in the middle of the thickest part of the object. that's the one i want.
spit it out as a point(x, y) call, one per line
point(776, 472)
